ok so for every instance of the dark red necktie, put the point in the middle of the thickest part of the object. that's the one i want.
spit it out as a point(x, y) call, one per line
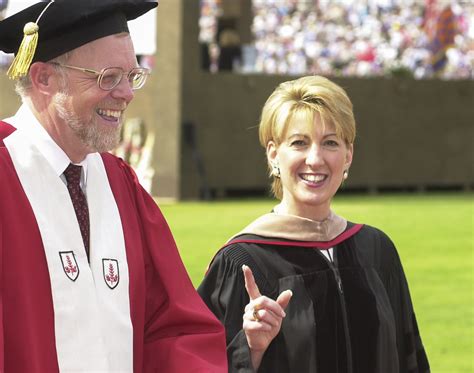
point(73, 178)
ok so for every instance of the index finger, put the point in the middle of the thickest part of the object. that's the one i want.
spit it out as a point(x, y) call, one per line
point(250, 284)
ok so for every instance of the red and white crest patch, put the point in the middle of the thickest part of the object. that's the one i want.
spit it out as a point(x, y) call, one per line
point(68, 260)
point(111, 272)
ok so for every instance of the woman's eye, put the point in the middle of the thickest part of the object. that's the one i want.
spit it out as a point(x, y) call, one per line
point(297, 143)
point(331, 143)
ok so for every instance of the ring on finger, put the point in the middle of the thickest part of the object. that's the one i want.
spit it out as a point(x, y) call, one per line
point(255, 315)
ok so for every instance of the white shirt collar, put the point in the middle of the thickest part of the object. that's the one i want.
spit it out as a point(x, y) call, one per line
point(25, 121)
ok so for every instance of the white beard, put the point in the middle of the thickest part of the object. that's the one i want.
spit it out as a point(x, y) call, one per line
point(97, 137)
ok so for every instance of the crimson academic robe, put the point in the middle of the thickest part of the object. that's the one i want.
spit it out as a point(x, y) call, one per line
point(173, 331)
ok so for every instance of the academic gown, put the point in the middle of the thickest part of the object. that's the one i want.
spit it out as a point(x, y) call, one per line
point(172, 329)
point(349, 315)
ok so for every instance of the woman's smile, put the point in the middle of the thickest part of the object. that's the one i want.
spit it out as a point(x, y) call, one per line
point(313, 180)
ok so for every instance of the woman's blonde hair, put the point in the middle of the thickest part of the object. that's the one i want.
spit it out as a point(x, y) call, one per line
point(305, 97)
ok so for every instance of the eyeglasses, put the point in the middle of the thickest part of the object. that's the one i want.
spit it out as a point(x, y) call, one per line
point(110, 77)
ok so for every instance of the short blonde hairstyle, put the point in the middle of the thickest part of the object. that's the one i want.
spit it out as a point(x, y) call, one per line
point(305, 97)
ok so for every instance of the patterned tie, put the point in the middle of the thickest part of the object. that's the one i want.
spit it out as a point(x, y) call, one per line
point(73, 177)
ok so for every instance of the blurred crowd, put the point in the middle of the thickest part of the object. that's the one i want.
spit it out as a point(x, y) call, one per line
point(419, 38)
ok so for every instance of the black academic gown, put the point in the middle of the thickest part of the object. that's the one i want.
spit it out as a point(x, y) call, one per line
point(349, 315)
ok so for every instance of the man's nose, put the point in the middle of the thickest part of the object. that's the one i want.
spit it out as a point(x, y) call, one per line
point(123, 91)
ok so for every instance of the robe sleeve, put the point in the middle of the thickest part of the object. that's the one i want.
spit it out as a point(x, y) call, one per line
point(5, 130)
point(223, 291)
point(2, 347)
point(181, 334)
point(411, 353)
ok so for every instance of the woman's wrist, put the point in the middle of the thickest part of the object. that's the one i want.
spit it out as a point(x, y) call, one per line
point(256, 357)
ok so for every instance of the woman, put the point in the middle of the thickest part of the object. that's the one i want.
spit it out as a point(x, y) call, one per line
point(317, 293)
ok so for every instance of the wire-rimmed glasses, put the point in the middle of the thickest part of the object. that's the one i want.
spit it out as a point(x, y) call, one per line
point(110, 77)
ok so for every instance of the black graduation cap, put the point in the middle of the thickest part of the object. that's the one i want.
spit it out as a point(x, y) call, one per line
point(47, 30)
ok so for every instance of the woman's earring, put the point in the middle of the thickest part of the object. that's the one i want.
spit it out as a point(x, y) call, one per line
point(276, 171)
point(345, 175)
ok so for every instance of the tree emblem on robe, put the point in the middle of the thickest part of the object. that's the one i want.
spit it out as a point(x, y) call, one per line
point(68, 260)
point(110, 268)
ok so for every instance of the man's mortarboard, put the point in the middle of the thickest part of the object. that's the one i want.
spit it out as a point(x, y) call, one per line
point(47, 30)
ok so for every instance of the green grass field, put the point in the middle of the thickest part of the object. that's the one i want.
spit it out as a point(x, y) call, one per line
point(434, 236)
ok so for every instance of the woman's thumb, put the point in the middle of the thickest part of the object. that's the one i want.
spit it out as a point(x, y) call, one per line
point(284, 298)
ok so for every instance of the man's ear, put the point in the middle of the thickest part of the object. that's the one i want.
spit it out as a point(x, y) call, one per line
point(44, 78)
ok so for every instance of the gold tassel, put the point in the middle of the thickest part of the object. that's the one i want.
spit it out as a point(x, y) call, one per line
point(25, 53)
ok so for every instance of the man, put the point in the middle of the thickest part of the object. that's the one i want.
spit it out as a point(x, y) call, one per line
point(90, 278)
